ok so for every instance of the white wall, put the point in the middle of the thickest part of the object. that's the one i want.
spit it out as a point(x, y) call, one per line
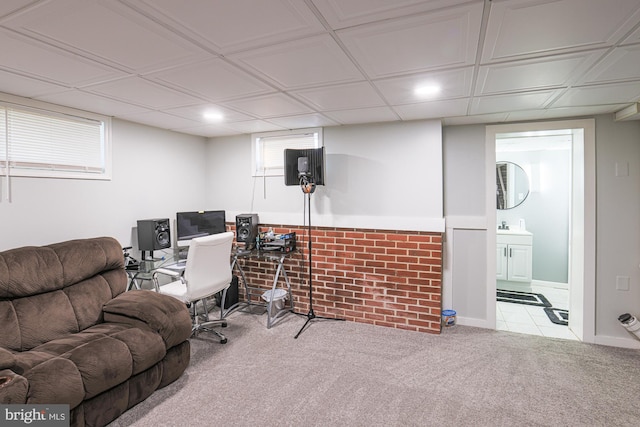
point(617, 216)
point(386, 176)
point(463, 152)
point(618, 227)
point(155, 174)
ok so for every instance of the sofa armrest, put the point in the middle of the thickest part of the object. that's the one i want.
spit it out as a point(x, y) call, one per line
point(13, 387)
point(165, 315)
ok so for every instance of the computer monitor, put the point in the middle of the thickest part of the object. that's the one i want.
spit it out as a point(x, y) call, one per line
point(190, 225)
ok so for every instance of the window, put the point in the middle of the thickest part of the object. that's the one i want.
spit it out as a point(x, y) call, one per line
point(42, 140)
point(268, 148)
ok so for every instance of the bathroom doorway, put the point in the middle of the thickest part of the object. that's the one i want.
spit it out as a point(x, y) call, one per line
point(575, 217)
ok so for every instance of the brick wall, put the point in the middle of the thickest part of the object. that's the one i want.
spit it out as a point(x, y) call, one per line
point(381, 277)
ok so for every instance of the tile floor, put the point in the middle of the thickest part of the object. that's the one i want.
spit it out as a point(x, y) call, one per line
point(532, 320)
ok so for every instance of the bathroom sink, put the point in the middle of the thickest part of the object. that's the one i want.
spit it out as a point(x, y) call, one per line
point(515, 231)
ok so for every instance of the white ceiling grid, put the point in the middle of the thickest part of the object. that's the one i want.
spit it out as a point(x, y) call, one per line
point(266, 65)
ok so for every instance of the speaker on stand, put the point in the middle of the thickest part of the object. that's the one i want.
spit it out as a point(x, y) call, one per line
point(247, 230)
point(153, 234)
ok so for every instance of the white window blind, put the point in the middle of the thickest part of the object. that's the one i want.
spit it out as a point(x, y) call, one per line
point(43, 143)
point(268, 148)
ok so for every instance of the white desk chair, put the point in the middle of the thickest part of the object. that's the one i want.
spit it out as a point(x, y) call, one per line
point(207, 272)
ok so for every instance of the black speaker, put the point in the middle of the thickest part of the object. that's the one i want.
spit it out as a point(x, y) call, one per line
point(153, 234)
point(246, 229)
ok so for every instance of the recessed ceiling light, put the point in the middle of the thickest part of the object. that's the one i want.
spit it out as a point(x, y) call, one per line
point(213, 116)
point(427, 90)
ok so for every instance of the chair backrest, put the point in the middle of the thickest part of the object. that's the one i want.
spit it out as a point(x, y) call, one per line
point(208, 269)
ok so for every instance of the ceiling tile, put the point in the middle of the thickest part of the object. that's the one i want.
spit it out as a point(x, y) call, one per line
point(214, 79)
point(269, 106)
point(603, 94)
point(341, 13)
point(197, 113)
point(280, 64)
point(450, 84)
point(25, 86)
point(294, 64)
point(619, 65)
point(105, 31)
point(417, 43)
point(91, 102)
point(537, 27)
point(9, 6)
point(139, 91)
point(342, 97)
point(209, 131)
point(477, 119)
point(160, 119)
point(229, 26)
point(35, 59)
point(534, 74)
point(303, 121)
point(433, 109)
point(634, 37)
point(254, 126)
point(511, 102)
point(363, 115)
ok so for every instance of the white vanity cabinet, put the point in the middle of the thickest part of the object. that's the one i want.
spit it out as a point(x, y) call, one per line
point(514, 255)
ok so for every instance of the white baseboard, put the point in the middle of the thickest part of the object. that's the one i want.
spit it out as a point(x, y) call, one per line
point(470, 321)
point(630, 342)
point(617, 342)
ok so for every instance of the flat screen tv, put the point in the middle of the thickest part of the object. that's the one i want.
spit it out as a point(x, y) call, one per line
point(190, 225)
point(314, 164)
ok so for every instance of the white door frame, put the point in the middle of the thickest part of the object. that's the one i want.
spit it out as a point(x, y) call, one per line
point(583, 240)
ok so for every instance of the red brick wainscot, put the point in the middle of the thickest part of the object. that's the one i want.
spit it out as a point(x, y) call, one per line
point(381, 277)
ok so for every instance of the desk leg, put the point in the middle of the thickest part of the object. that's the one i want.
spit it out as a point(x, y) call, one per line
point(286, 280)
point(133, 282)
point(247, 293)
point(273, 292)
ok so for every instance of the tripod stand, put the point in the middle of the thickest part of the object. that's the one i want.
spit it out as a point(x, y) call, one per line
point(308, 187)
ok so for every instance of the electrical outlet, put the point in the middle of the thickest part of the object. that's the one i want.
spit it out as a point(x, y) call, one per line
point(622, 283)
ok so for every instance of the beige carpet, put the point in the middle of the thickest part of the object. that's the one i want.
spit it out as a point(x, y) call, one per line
point(349, 374)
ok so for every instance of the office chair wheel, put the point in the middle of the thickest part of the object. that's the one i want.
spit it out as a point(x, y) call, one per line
point(223, 325)
point(223, 341)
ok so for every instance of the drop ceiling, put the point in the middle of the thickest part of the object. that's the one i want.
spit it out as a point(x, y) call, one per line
point(264, 65)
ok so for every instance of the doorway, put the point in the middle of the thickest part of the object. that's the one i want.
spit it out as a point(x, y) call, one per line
point(581, 222)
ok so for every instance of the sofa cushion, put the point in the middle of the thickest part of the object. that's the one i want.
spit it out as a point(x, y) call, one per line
point(165, 315)
point(55, 381)
point(13, 387)
point(28, 271)
point(68, 282)
point(146, 347)
point(84, 258)
point(7, 359)
point(35, 313)
point(88, 363)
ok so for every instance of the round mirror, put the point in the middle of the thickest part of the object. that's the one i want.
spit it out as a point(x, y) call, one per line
point(512, 185)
